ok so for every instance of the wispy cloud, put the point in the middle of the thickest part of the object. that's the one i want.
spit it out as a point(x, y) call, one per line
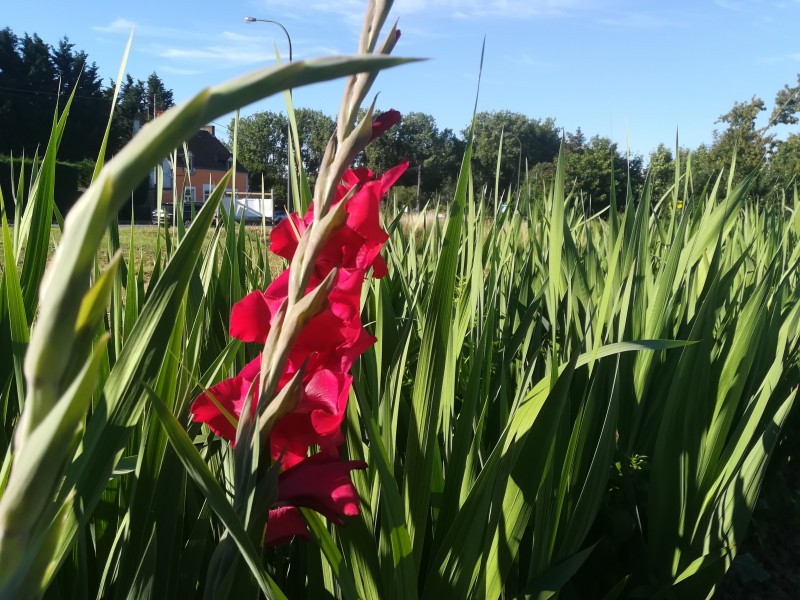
point(529, 61)
point(729, 5)
point(182, 50)
point(352, 10)
point(637, 21)
point(124, 26)
point(781, 58)
point(517, 9)
point(178, 71)
point(116, 26)
point(219, 55)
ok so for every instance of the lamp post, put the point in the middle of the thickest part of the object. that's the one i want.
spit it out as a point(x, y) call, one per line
point(519, 159)
point(288, 127)
point(288, 37)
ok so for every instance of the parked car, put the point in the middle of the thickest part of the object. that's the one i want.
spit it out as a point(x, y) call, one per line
point(167, 212)
point(278, 215)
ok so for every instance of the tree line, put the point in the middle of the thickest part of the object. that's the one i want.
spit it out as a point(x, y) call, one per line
point(36, 78)
point(530, 150)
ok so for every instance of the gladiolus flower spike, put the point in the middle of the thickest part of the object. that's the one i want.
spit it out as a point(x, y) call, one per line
point(329, 344)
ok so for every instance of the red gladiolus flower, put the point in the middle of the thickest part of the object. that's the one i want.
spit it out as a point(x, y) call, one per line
point(385, 121)
point(321, 483)
point(328, 346)
point(358, 243)
point(221, 405)
point(315, 421)
point(284, 523)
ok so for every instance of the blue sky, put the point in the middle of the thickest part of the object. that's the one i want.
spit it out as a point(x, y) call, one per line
point(633, 70)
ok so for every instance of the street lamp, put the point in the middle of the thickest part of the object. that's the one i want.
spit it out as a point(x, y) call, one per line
point(288, 37)
point(288, 128)
point(519, 159)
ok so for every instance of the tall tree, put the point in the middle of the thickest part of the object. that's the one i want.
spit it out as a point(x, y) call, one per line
point(787, 105)
point(13, 96)
point(90, 107)
point(129, 110)
point(35, 79)
point(783, 169)
point(434, 155)
point(38, 88)
point(742, 138)
point(262, 149)
point(597, 165)
point(157, 98)
point(661, 170)
point(526, 141)
point(315, 129)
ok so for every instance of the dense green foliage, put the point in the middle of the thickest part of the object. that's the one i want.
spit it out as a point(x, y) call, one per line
point(36, 79)
point(529, 150)
point(555, 404)
point(263, 145)
point(554, 442)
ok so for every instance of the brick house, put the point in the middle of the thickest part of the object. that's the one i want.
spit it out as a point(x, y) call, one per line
point(209, 159)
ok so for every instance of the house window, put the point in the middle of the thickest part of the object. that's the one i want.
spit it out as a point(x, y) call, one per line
point(189, 194)
point(188, 163)
point(207, 189)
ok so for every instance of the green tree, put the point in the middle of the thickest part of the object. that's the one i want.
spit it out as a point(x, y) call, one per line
point(90, 107)
point(754, 146)
point(315, 129)
point(783, 169)
point(138, 102)
point(537, 140)
point(30, 85)
point(13, 96)
point(130, 109)
point(661, 170)
point(434, 155)
point(787, 105)
point(157, 97)
point(742, 138)
point(262, 140)
point(595, 165)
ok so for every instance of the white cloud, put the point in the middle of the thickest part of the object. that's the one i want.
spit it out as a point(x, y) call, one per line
point(637, 21)
point(119, 25)
point(219, 55)
point(773, 60)
point(729, 5)
point(517, 9)
point(177, 71)
point(123, 25)
point(353, 10)
point(529, 61)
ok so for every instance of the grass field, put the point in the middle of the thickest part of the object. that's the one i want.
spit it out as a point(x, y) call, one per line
point(143, 241)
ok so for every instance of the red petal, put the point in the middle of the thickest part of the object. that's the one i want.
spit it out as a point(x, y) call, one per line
point(285, 235)
point(322, 483)
point(379, 268)
point(384, 121)
point(251, 318)
point(284, 523)
point(227, 395)
point(392, 175)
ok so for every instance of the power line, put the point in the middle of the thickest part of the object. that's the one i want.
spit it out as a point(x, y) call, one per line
point(49, 94)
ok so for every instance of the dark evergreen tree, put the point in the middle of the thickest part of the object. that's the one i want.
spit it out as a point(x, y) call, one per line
point(90, 108)
point(13, 96)
point(157, 97)
point(129, 112)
